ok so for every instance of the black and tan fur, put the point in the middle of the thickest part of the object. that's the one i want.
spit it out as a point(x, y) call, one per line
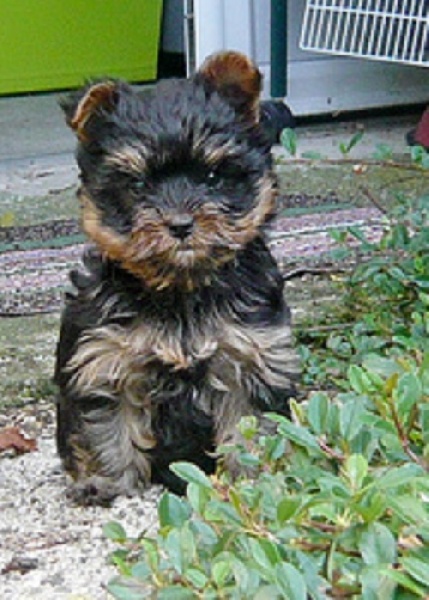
point(177, 326)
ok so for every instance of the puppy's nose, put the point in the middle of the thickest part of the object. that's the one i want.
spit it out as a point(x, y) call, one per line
point(181, 226)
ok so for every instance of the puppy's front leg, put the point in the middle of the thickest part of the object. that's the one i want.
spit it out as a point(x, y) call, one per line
point(97, 441)
point(258, 367)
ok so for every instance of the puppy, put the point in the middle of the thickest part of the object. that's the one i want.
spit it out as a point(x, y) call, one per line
point(177, 326)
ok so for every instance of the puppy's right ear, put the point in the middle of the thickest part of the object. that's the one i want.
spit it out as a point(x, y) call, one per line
point(236, 78)
point(82, 108)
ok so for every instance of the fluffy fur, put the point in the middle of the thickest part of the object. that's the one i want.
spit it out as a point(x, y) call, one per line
point(177, 325)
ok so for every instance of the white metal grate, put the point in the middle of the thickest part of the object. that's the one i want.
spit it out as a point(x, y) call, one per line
point(391, 30)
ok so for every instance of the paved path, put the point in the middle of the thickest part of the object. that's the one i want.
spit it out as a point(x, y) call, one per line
point(36, 150)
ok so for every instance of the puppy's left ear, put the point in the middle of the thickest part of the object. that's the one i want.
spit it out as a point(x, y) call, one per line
point(88, 104)
point(234, 76)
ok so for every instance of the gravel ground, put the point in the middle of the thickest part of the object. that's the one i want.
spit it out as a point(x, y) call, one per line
point(51, 549)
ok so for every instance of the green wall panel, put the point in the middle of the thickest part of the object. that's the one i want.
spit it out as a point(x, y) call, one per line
point(54, 44)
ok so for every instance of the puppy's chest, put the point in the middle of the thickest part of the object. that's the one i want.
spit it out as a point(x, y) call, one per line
point(151, 359)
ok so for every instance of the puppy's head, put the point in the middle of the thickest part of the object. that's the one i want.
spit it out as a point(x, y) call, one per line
point(175, 181)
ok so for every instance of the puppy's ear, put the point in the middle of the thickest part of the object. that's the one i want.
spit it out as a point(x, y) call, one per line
point(236, 79)
point(83, 107)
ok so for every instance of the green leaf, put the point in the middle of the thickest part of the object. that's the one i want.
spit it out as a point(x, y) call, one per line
point(359, 380)
point(309, 566)
point(334, 485)
point(425, 161)
point(247, 459)
point(180, 547)
point(198, 496)
point(355, 470)
point(375, 585)
point(422, 282)
point(141, 570)
point(399, 237)
point(405, 581)
point(417, 152)
point(377, 424)
point(288, 140)
point(203, 533)
point(397, 273)
point(119, 558)
point(371, 506)
point(196, 577)
point(424, 298)
point(267, 592)
point(287, 508)
point(408, 392)
point(172, 511)
point(191, 473)
point(290, 581)
point(275, 447)
point(247, 580)
point(408, 509)
point(236, 500)
point(355, 139)
point(338, 235)
point(219, 512)
point(359, 234)
point(351, 419)
point(318, 412)
point(418, 569)
point(397, 476)
point(175, 592)
point(221, 571)
point(366, 443)
point(297, 434)
point(377, 545)
point(265, 553)
point(173, 548)
point(381, 365)
point(114, 531)
point(128, 589)
point(248, 427)
point(151, 553)
point(383, 152)
point(424, 422)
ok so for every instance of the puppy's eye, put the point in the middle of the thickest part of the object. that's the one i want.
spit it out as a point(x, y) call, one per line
point(138, 185)
point(213, 179)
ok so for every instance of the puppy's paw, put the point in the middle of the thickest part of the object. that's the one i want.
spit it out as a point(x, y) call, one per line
point(97, 491)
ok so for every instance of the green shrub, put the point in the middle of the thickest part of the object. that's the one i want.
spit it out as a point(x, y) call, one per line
point(338, 502)
point(384, 301)
point(338, 506)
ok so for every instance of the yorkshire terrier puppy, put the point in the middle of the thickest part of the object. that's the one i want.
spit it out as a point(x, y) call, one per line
point(177, 326)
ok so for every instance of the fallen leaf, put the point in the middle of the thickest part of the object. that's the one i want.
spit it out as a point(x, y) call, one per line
point(12, 438)
point(21, 564)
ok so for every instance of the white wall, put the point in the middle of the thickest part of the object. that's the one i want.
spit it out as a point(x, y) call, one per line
point(316, 83)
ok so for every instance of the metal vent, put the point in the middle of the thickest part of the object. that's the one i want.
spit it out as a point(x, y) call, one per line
point(391, 30)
